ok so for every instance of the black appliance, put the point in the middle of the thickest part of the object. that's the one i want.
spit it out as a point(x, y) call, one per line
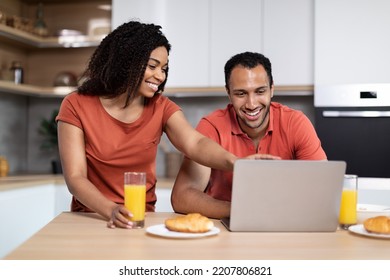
point(353, 124)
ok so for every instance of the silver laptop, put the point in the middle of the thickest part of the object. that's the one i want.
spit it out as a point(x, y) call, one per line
point(286, 195)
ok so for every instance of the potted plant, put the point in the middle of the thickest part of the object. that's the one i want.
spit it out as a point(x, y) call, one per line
point(48, 129)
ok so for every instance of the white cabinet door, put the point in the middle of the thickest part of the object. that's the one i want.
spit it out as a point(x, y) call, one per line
point(289, 40)
point(62, 198)
point(352, 42)
point(23, 211)
point(186, 24)
point(205, 34)
point(163, 203)
point(148, 11)
point(186, 27)
point(235, 27)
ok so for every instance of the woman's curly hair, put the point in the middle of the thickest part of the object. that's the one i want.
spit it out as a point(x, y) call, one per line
point(119, 62)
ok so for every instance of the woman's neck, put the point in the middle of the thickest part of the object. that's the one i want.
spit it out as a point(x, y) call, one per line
point(115, 108)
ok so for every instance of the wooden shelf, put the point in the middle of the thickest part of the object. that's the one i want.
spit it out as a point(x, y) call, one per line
point(37, 91)
point(27, 40)
point(59, 92)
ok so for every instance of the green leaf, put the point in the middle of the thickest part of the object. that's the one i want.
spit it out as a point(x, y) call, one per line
point(48, 129)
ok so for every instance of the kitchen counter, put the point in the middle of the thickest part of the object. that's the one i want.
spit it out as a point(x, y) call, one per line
point(374, 183)
point(370, 190)
point(24, 181)
point(365, 185)
point(85, 236)
point(40, 198)
point(31, 179)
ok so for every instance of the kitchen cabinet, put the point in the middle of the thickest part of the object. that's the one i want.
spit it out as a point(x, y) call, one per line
point(185, 23)
point(23, 213)
point(163, 203)
point(187, 57)
point(209, 33)
point(188, 20)
point(43, 58)
point(27, 204)
point(235, 27)
point(351, 42)
point(288, 40)
point(205, 34)
point(40, 198)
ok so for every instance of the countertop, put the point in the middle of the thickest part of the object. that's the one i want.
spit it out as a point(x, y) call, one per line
point(85, 236)
point(163, 183)
point(30, 180)
point(24, 181)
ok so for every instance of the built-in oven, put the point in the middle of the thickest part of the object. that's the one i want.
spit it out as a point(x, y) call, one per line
point(353, 124)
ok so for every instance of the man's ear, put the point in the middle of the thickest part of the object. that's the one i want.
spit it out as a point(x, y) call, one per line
point(228, 92)
point(272, 91)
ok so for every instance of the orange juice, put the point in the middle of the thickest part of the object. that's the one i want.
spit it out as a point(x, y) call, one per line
point(348, 212)
point(135, 196)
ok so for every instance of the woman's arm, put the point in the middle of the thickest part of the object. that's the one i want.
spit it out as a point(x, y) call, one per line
point(188, 194)
point(74, 165)
point(200, 148)
point(195, 145)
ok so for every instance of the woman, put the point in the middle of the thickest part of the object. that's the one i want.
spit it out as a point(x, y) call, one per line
point(115, 120)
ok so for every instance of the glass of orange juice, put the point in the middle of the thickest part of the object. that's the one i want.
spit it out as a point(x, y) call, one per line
point(348, 207)
point(135, 195)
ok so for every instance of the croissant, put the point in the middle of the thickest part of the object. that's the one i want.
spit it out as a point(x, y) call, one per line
point(379, 224)
point(194, 223)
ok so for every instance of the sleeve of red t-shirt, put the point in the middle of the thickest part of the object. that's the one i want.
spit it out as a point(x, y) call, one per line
point(207, 129)
point(307, 145)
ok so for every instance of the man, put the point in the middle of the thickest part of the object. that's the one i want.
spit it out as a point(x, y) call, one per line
point(250, 124)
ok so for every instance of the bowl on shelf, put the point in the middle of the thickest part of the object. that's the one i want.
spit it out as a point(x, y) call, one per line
point(65, 79)
point(68, 32)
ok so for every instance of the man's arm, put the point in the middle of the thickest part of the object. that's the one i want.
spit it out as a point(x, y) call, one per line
point(188, 194)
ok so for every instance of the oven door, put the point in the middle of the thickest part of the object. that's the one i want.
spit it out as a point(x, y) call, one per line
point(358, 135)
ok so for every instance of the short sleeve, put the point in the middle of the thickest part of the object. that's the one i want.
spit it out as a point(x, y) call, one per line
point(68, 111)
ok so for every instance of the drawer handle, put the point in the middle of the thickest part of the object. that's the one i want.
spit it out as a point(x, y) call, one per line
point(356, 114)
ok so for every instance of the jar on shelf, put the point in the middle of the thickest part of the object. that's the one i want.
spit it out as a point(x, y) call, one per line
point(17, 72)
point(4, 167)
point(40, 27)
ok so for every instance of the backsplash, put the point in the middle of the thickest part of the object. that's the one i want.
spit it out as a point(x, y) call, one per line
point(21, 115)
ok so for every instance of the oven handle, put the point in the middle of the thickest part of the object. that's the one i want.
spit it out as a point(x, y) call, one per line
point(356, 114)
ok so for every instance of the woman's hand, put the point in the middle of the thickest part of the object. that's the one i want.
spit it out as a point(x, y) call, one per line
point(119, 218)
point(262, 156)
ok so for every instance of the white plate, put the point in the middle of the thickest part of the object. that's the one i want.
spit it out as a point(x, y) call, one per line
point(161, 230)
point(359, 229)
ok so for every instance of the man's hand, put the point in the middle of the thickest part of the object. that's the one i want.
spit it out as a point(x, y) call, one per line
point(262, 156)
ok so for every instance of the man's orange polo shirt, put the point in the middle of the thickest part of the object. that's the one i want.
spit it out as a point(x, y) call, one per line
point(290, 135)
